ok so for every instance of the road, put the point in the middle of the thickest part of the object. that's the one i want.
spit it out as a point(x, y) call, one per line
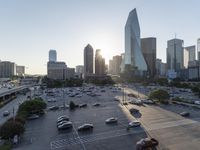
point(13, 105)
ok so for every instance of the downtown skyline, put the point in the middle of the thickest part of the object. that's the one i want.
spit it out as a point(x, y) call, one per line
point(32, 28)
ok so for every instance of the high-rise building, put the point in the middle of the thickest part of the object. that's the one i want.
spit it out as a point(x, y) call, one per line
point(198, 48)
point(7, 69)
point(123, 63)
point(189, 55)
point(161, 68)
point(79, 70)
point(20, 70)
point(114, 65)
point(175, 55)
point(133, 53)
point(99, 63)
point(52, 55)
point(88, 60)
point(148, 47)
point(56, 70)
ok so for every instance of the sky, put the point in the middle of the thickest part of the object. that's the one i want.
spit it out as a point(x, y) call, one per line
point(30, 28)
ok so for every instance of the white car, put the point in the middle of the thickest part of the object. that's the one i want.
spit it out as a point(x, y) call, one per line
point(65, 125)
point(111, 120)
point(6, 113)
point(197, 102)
point(134, 123)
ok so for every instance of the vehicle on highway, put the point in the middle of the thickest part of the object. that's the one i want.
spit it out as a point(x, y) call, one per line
point(146, 143)
point(185, 114)
point(134, 123)
point(197, 102)
point(64, 125)
point(133, 110)
point(6, 113)
point(82, 105)
point(86, 126)
point(53, 108)
point(32, 117)
point(111, 120)
point(96, 104)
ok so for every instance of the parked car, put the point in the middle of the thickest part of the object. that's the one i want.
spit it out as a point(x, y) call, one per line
point(63, 118)
point(6, 113)
point(82, 105)
point(197, 102)
point(148, 101)
point(111, 120)
point(53, 108)
point(32, 117)
point(86, 126)
point(185, 114)
point(96, 104)
point(133, 110)
point(146, 143)
point(134, 123)
point(64, 125)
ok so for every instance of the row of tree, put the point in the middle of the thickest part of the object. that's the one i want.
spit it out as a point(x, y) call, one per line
point(15, 125)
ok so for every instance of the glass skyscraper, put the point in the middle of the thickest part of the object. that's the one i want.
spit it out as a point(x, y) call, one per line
point(133, 53)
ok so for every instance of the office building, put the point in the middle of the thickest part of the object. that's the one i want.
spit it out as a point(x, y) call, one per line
point(99, 63)
point(175, 55)
point(123, 63)
point(7, 69)
point(88, 60)
point(52, 55)
point(133, 53)
point(69, 73)
point(161, 68)
point(198, 49)
point(79, 71)
point(189, 55)
point(56, 70)
point(20, 70)
point(114, 65)
point(148, 47)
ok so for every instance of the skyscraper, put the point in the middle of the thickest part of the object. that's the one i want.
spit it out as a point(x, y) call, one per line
point(52, 55)
point(148, 47)
point(7, 69)
point(189, 55)
point(198, 49)
point(88, 60)
point(133, 53)
point(175, 55)
point(114, 65)
point(99, 63)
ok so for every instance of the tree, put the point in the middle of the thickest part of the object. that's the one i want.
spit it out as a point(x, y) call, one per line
point(11, 128)
point(18, 119)
point(72, 106)
point(31, 107)
point(160, 95)
point(162, 81)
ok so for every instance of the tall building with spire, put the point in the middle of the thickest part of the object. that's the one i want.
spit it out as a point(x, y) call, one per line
point(133, 53)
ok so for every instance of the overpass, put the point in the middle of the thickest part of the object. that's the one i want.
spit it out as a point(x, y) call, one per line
point(7, 93)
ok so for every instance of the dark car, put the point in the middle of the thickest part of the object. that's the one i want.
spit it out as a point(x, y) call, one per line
point(53, 108)
point(146, 143)
point(86, 126)
point(185, 114)
point(133, 110)
point(6, 113)
point(82, 105)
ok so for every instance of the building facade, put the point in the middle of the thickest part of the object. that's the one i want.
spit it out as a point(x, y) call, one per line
point(69, 73)
point(52, 55)
point(175, 55)
point(7, 69)
point(148, 47)
point(198, 49)
point(133, 53)
point(20, 70)
point(114, 65)
point(56, 70)
point(99, 63)
point(88, 60)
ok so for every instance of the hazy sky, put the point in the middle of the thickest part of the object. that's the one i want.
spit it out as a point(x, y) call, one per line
point(29, 28)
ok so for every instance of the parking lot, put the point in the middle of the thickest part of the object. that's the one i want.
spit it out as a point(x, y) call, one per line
point(42, 133)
